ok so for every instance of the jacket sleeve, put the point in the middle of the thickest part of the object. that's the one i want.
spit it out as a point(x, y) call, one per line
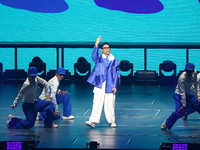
point(45, 84)
point(54, 92)
point(95, 54)
point(116, 74)
point(19, 95)
point(198, 84)
point(182, 91)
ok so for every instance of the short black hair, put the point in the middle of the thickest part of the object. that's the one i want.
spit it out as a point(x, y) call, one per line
point(106, 43)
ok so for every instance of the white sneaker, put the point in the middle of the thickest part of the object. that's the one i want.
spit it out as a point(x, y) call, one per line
point(71, 117)
point(9, 119)
point(163, 126)
point(87, 123)
point(113, 125)
point(51, 126)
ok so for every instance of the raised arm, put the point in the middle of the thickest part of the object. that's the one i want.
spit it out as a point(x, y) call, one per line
point(95, 54)
point(98, 40)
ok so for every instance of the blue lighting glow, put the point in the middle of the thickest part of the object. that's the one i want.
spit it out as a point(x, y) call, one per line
point(14, 146)
point(179, 146)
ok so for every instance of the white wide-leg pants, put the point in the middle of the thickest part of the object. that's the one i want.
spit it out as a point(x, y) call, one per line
point(103, 99)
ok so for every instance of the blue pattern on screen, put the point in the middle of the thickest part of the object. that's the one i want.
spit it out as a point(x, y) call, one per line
point(132, 6)
point(42, 6)
point(56, 6)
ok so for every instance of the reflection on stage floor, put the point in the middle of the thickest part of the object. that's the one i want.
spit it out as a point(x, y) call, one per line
point(140, 110)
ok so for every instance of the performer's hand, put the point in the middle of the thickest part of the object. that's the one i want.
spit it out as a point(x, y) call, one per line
point(114, 90)
point(56, 113)
point(12, 106)
point(62, 92)
point(199, 98)
point(47, 98)
point(182, 109)
point(98, 40)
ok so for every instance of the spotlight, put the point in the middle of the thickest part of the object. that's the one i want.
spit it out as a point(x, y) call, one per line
point(18, 145)
point(179, 146)
point(93, 145)
point(14, 145)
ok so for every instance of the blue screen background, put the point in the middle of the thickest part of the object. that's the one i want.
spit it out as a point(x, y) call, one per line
point(152, 21)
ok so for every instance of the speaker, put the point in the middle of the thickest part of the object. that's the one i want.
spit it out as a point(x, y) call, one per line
point(93, 145)
point(146, 77)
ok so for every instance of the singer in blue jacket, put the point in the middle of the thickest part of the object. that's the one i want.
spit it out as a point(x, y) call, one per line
point(105, 79)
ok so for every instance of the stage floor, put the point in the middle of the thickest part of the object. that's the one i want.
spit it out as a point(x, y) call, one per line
point(140, 110)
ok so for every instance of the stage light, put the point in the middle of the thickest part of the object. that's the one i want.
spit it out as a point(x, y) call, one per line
point(93, 145)
point(179, 146)
point(14, 146)
point(18, 145)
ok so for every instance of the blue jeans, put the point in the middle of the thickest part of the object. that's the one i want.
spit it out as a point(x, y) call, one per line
point(30, 110)
point(67, 106)
point(192, 105)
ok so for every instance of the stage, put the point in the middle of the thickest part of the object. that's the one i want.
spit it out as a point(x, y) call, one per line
point(140, 110)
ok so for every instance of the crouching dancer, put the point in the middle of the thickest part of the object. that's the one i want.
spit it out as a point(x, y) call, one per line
point(186, 96)
point(31, 106)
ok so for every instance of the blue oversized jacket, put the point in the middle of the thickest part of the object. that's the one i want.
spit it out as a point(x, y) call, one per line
point(102, 73)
